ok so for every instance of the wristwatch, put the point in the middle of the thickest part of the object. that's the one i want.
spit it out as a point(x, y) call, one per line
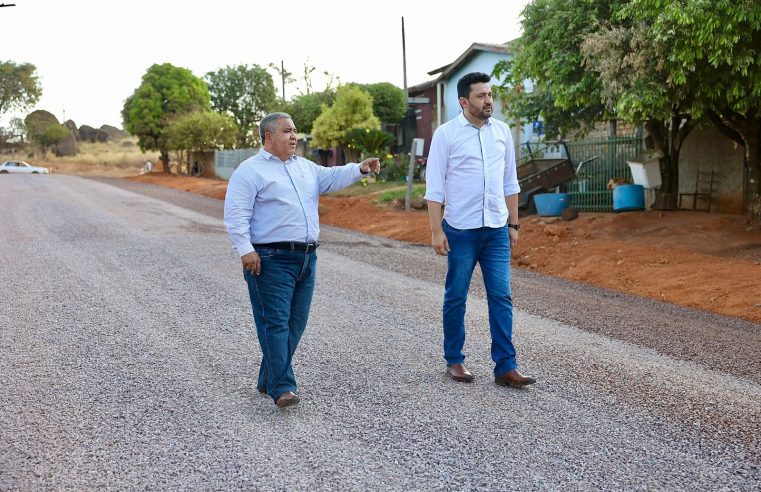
point(514, 226)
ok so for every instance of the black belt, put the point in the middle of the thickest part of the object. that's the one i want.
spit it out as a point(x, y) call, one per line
point(306, 247)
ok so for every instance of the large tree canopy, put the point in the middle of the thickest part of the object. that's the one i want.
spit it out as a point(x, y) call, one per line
point(245, 92)
point(673, 63)
point(166, 93)
point(19, 86)
point(711, 50)
point(563, 93)
point(389, 101)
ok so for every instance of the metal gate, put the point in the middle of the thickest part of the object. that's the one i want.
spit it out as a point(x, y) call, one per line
point(603, 159)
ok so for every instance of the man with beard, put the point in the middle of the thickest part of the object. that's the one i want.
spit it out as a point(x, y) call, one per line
point(471, 168)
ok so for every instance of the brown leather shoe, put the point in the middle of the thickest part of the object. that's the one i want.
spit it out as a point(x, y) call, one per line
point(287, 399)
point(459, 373)
point(514, 379)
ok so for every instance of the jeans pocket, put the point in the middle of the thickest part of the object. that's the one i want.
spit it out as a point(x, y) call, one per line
point(266, 252)
point(449, 229)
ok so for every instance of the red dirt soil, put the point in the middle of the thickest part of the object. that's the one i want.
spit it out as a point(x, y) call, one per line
point(705, 261)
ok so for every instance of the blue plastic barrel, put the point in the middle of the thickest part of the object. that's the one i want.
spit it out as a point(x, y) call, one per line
point(628, 197)
point(551, 204)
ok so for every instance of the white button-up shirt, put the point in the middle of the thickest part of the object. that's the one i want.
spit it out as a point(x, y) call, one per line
point(270, 201)
point(472, 170)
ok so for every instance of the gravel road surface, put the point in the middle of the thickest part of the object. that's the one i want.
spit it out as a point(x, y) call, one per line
point(128, 361)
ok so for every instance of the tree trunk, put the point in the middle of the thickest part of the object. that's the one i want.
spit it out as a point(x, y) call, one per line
point(668, 137)
point(165, 161)
point(753, 162)
point(746, 131)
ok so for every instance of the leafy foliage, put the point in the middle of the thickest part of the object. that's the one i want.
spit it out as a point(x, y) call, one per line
point(371, 142)
point(19, 86)
point(564, 94)
point(687, 60)
point(247, 93)
point(389, 101)
point(166, 93)
point(353, 108)
point(203, 130)
point(305, 108)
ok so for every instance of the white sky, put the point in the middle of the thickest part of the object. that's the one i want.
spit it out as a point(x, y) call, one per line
point(91, 54)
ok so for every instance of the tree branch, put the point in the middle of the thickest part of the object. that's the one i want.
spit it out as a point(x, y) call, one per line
point(727, 130)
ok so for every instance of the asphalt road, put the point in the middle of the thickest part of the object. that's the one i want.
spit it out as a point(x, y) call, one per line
point(128, 361)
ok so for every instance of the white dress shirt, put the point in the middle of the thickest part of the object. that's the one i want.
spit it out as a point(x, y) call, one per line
point(472, 170)
point(270, 201)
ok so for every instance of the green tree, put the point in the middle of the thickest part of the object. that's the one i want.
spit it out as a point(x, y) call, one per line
point(711, 51)
point(389, 101)
point(589, 63)
point(166, 93)
point(202, 130)
point(565, 95)
point(247, 93)
point(19, 86)
point(305, 108)
point(635, 83)
point(353, 108)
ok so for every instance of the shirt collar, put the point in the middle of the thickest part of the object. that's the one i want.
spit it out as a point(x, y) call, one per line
point(464, 121)
point(267, 155)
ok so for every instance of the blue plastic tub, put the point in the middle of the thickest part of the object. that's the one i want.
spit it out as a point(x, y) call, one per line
point(551, 204)
point(628, 197)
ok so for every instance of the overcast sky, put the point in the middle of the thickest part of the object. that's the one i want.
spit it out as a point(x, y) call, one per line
point(91, 54)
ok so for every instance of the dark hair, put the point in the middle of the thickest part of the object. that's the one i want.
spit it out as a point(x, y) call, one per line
point(463, 85)
point(269, 123)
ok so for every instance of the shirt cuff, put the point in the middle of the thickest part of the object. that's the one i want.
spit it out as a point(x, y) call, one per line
point(512, 190)
point(434, 196)
point(245, 249)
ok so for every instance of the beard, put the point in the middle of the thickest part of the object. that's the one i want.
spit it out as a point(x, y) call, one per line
point(483, 113)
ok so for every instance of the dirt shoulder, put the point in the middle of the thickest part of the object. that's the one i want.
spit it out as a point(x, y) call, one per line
point(704, 261)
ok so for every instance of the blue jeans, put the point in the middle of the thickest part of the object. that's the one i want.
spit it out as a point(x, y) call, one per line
point(280, 298)
point(490, 248)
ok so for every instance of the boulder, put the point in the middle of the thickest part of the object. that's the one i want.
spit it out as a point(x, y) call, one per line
point(114, 134)
point(67, 146)
point(87, 133)
point(72, 128)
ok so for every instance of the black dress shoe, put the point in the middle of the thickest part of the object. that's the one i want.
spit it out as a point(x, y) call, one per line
point(514, 379)
point(459, 373)
point(287, 399)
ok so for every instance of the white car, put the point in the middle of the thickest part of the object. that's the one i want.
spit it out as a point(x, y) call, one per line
point(21, 167)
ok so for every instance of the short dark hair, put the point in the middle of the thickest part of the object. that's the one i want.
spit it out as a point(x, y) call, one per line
point(463, 85)
point(269, 123)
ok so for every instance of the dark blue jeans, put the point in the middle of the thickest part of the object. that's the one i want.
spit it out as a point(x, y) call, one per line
point(490, 248)
point(280, 298)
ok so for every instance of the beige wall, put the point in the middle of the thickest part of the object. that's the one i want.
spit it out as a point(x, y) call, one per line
point(707, 149)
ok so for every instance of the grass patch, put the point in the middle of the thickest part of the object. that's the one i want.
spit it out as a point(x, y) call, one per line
point(358, 189)
point(392, 194)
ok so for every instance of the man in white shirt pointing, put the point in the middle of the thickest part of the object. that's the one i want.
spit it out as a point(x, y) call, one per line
point(471, 168)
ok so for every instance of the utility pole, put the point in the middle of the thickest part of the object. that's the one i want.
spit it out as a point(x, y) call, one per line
point(411, 167)
point(282, 73)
